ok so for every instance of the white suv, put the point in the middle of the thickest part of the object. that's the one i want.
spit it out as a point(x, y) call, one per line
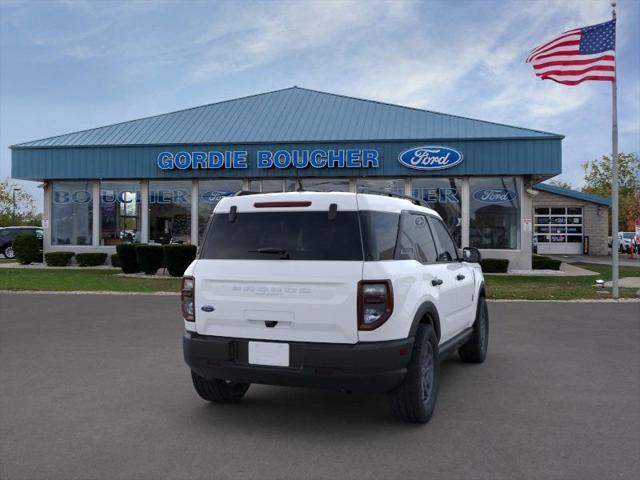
point(341, 290)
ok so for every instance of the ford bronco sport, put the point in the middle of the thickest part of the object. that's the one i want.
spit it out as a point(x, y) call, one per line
point(357, 292)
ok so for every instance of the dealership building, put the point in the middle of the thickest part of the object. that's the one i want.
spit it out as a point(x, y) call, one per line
point(157, 179)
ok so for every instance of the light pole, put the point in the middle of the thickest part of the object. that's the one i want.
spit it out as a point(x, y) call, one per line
point(14, 190)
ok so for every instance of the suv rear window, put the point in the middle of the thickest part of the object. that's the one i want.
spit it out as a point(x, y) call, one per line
point(278, 235)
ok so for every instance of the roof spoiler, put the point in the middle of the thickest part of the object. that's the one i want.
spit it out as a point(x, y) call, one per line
point(414, 200)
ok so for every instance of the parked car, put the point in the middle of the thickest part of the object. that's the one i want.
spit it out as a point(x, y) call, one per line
point(338, 290)
point(625, 241)
point(8, 234)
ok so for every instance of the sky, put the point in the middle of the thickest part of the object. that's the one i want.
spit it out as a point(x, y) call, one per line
point(72, 65)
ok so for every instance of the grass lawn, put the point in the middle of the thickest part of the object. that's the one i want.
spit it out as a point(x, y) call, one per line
point(557, 288)
point(498, 287)
point(81, 280)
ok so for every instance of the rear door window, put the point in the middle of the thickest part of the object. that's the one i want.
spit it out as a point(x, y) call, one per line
point(415, 241)
point(447, 251)
point(284, 235)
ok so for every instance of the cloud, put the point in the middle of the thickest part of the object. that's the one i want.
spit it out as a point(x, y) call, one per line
point(275, 31)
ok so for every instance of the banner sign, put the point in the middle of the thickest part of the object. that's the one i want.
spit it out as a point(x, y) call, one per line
point(239, 159)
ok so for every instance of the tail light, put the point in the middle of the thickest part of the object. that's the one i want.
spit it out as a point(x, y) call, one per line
point(188, 299)
point(375, 303)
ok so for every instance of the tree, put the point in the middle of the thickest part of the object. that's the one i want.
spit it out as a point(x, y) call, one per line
point(597, 180)
point(25, 207)
point(556, 182)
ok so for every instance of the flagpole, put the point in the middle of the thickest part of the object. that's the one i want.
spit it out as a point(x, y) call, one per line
point(614, 176)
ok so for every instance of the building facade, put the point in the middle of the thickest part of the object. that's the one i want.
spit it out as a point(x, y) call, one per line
point(157, 179)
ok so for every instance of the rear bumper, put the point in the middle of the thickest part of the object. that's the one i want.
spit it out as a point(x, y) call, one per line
point(370, 367)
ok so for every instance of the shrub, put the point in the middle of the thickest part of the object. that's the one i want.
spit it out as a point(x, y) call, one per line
point(91, 259)
point(178, 257)
point(127, 257)
point(27, 248)
point(539, 262)
point(149, 258)
point(58, 259)
point(494, 265)
point(115, 260)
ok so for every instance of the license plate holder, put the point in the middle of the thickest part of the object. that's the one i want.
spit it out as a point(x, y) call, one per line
point(269, 353)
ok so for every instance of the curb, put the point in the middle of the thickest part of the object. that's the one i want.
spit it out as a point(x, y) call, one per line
point(106, 292)
point(575, 300)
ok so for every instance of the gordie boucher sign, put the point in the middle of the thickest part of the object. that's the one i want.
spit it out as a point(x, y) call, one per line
point(238, 159)
point(418, 158)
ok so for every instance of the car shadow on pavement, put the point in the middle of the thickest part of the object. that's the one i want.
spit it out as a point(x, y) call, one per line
point(299, 411)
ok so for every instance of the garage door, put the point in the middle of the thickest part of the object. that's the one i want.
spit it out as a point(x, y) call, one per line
point(558, 229)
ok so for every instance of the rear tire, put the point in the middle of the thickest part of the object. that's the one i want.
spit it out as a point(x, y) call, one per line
point(415, 399)
point(219, 391)
point(8, 252)
point(475, 349)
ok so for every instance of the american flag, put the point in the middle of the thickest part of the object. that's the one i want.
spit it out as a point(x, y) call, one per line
point(586, 53)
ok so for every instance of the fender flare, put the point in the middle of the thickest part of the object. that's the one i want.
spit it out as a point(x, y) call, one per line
point(427, 308)
point(481, 290)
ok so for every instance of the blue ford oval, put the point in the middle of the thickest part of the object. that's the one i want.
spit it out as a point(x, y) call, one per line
point(429, 157)
point(214, 196)
point(495, 195)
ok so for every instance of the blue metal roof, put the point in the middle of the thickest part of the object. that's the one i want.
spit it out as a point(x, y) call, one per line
point(290, 115)
point(565, 192)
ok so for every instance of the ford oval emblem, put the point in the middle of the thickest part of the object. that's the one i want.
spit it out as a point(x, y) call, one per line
point(495, 195)
point(214, 196)
point(429, 157)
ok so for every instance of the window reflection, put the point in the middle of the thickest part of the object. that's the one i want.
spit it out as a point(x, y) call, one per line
point(444, 196)
point(210, 192)
point(170, 212)
point(119, 212)
point(72, 213)
point(494, 213)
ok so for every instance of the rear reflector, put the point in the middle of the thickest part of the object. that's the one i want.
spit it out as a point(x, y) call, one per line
point(281, 204)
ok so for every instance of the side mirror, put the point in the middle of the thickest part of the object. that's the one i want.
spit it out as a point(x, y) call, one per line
point(471, 255)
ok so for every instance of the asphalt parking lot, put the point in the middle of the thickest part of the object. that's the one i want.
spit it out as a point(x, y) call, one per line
point(94, 387)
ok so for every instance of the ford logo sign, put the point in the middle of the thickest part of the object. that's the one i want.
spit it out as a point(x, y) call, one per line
point(214, 196)
point(430, 158)
point(495, 195)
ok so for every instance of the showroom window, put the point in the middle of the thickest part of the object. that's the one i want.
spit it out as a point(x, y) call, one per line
point(444, 196)
point(210, 192)
point(72, 213)
point(394, 185)
point(119, 212)
point(318, 184)
point(170, 212)
point(266, 186)
point(494, 213)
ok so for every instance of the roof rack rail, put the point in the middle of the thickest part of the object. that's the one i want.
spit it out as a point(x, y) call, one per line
point(414, 200)
point(242, 193)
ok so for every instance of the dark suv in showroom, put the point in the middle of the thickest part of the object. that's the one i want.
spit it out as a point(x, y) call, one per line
point(8, 234)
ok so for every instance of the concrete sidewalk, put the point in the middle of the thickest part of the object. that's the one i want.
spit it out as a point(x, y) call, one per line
point(623, 259)
point(566, 270)
point(40, 266)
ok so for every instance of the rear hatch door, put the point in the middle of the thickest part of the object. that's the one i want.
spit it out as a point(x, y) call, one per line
point(281, 267)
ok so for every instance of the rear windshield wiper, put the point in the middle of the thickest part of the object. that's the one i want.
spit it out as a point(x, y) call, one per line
point(283, 252)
